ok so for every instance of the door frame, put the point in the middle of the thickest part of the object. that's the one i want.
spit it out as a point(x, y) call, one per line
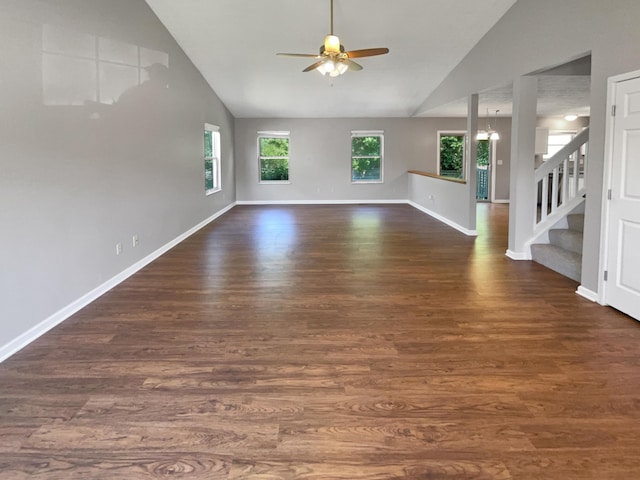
point(493, 152)
point(491, 194)
point(612, 84)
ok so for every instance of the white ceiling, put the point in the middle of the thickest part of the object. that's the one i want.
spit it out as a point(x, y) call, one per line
point(233, 43)
point(558, 95)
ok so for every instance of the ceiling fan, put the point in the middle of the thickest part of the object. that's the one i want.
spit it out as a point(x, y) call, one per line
point(333, 60)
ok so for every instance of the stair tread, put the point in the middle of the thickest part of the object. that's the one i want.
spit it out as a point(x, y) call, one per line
point(556, 258)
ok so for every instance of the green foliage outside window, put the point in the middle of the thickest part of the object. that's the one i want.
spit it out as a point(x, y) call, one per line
point(208, 144)
point(274, 158)
point(483, 153)
point(366, 158)
point(208, 174)
point(451, 155)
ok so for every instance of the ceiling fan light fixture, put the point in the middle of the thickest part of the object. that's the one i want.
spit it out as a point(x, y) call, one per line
point(326, 67)
point(494, 136)
point(331, 44)
point(333, 68)
point(333, 58)
point(482, 135)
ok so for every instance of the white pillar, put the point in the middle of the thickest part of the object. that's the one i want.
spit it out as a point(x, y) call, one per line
point(471, 155)
point(522, 189)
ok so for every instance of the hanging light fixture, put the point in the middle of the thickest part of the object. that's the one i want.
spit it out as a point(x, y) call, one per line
point(489, 134)
point(494, 135)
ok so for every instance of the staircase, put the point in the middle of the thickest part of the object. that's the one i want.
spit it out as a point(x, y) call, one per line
point(563, 253)
point(561, 190)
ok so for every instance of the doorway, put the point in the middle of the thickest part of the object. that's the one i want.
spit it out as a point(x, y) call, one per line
point(621, 222)
point(484, 169)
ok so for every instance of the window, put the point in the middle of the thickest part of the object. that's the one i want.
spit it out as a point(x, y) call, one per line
point(451, 154)
point(273, 156)
point(211, 159)
point(367, 157)
point(555, 142)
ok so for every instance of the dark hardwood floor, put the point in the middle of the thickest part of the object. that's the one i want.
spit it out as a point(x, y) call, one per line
point(330, 342)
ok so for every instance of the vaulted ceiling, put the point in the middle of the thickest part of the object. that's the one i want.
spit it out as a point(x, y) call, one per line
point(234, 44)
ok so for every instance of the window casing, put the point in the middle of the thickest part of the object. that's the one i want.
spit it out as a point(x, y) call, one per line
point(367, 156)
point(451, 153)
point(273, 157)
point(555, 141)
point(211, 159)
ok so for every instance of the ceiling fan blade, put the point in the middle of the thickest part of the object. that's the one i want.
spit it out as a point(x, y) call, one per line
point(367, 52)
point(306, 55)
point(352, 65)
point(314, 66)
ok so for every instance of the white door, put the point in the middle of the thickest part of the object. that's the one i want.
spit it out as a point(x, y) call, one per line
point(623, 251)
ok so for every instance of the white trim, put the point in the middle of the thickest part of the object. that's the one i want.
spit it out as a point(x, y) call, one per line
point(586, 293)
point(460, 228)
point(492, 164)
point(274, 133)
point(61, 315)
point(367, 133)
point(500, 201)
point(364, 182)
point(518, 255)
point(216, 155)
point(319, 202)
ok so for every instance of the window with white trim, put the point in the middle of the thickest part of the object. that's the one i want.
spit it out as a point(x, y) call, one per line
point(451, 145)
point(555, 141)
point(273, 157)
point(367, 156)
point(211, 159)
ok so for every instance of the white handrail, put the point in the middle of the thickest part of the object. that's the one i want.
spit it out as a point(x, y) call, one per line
point(560, 183)
point(564, 152)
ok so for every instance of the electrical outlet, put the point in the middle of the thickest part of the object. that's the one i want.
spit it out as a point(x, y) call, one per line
point(118, 248)
point(135, 240)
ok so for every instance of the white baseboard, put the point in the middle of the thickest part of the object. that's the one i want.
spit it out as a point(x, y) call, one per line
point(588, 294)
point(318, 202)
point(500, 201)
point(518, 255)
point(460, 228)
point(61, 315)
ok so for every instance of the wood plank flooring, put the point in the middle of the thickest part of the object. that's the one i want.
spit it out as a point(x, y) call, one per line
point(330, 342)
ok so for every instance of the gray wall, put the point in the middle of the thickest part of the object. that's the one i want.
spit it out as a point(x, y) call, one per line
point(535, 34)
point(443, 198)
point(320, 152)
point(77, 176)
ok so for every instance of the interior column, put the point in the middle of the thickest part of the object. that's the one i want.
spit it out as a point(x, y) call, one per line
point(522, 188)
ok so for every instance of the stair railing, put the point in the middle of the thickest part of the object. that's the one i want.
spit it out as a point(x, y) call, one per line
point(561, 182)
